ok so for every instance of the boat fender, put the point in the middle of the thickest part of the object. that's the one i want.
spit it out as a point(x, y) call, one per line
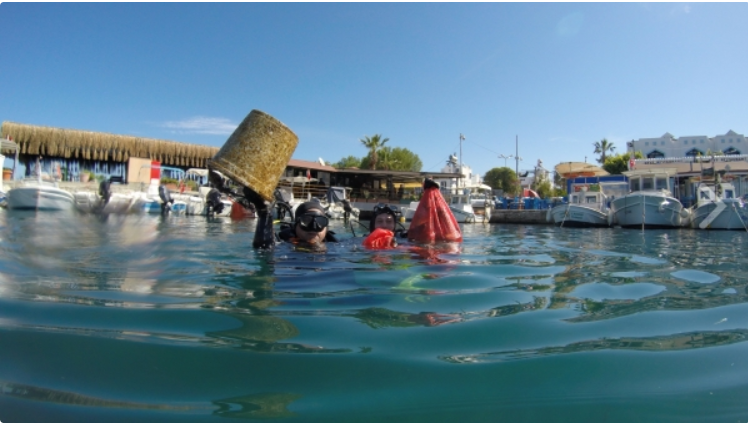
point(685, 213)
point(548, 216)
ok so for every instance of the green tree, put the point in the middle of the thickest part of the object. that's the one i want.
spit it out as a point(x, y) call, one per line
point(395, 159)
point(374, 143)
point(502, 179)
point(386, 160)
point(542, 185)
point(348, 162)
point(602, 147)
point(406, 160)
point(617, 164)
point(560, 182)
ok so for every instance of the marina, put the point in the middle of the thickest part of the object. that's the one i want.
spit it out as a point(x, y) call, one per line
point(373, 212)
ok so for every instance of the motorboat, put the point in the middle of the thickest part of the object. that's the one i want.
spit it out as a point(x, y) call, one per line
point(40, 193)
point(337, 204)
point(587, 207)
point(649, 202)
point(462, 208)
point(584, 209)
point(207, 202)
point(117, 203)
point(157, 197)
point(159, 200)
point(718, 208)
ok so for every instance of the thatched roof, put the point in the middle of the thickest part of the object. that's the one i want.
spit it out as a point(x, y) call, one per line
point(89, 145)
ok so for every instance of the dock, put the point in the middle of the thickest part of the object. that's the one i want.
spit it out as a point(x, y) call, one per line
point(522, 216)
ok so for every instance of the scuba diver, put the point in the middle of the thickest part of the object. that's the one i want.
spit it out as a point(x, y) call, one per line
point(309, 226)
point(308, 229)
point(388, 218)
point(383, 216)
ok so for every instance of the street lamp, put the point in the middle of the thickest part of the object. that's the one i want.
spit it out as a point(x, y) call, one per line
point(502, 156)
point(517, 159)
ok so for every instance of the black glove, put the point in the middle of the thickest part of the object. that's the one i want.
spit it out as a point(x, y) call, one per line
point(264, 234)
point(255, 199)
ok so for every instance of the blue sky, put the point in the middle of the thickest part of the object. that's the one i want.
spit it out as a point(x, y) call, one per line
point(559, 76)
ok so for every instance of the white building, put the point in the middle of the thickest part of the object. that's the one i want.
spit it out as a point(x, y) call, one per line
point(451, 185)
point(527, 178)
point(726, 153)
point(669, 146)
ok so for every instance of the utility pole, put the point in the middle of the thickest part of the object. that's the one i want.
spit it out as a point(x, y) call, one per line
point(462, 137)
point(516, 154)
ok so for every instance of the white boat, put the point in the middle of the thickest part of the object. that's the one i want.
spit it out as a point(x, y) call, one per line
point(40, 193)
point(118, 203)
point(466, 209)
point(207, 201)
point(589, 206)
point(158, 198)
point(584, 209)
point(650, 202)
point(204, 204)
point(337, 204)
point(717, 208)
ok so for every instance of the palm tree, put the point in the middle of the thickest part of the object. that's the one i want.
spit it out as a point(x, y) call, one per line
point(374, 143)
point(386, 159)
point(603, 147)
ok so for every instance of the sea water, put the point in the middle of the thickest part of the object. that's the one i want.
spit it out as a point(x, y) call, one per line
point(145, 318)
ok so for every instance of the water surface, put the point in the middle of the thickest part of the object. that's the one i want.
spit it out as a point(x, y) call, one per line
point(142, 318)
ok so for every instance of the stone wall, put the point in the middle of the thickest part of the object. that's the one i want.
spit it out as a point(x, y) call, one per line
point(513, 216)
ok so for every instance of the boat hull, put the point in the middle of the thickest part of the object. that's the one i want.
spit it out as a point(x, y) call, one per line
point(578, 216)
point(653, 210)
point(198, 206)
point(727, 214)
point(462, 216)
point(40, 198)
point(152, 206)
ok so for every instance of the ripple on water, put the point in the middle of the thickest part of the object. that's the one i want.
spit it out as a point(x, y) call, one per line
point(628, 274)
point(696, 276)
point(649, 261)
point(605, 291)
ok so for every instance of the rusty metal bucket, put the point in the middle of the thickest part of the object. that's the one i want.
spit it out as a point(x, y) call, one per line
point(257, 153)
